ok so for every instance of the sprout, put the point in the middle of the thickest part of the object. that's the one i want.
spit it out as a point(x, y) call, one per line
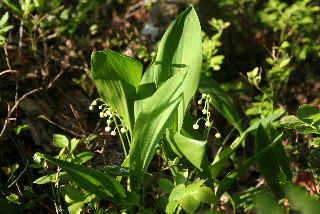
point(195, 126)
point(218, 135)
point(113, 133)
point(107, 129)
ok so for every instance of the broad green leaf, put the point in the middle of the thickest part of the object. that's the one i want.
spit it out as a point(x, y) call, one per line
point(265, 204)
point(302, 201)
point(180, 50)
point(90, 179)
point(165, 185)
point(177, 193)
point(221, 101)
point(153, 118)
point(204, 194)
point(193, 150)
point(117, 78)
point(60, 141)
point(190, 204)
point(172, 206)
point(222, 157)
point(228, 180)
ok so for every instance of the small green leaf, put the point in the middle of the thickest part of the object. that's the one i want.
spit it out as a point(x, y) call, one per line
point(76, 208)
point(46, 179)
point(165, 185)
point(73, 144)
point(204, 194)
point(190, 204)
point(284, 62)
point(83, 157)
point(60, 141)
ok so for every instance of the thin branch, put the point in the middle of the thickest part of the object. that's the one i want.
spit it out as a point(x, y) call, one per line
point(7, 56)
point(8, 71)
point(11, 110)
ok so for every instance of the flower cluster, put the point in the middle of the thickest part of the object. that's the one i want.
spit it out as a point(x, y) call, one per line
point(108, 113)
point(206, 99)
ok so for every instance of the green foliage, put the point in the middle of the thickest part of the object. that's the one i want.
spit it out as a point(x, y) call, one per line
point(306, 121)
point(210, 46)
point(189, 197)
point(296, 23)
point(4, 27)
point(302, 202)
point(153, 114)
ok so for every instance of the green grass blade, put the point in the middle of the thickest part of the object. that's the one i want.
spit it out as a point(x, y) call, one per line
point(117, 78)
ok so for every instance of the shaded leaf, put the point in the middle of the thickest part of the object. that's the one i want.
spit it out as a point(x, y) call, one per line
point(221, 101)
point(153, 118)
point(193, 150)
point(90, 179)
point(117, 78)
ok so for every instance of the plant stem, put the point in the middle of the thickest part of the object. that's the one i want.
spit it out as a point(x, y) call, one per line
point(121, 138)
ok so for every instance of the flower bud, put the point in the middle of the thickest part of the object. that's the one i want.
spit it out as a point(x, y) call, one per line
point(217, 135)
point(195, 126)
